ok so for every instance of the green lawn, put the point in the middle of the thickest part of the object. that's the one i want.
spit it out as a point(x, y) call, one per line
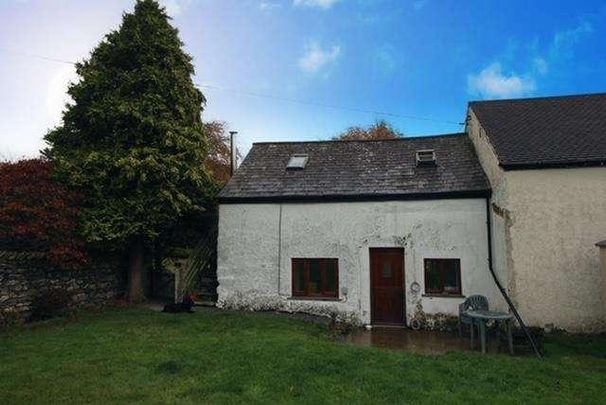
point(137, 355)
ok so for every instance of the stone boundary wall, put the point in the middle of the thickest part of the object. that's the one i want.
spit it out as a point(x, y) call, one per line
point(96, 285)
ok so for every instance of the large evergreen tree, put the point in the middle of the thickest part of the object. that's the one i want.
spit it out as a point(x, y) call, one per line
point(133, 141)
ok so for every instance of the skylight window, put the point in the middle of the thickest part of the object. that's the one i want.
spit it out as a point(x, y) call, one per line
point(426, 157)
point(297, 162)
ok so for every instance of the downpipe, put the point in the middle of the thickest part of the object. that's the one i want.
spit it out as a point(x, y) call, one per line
point(500, 286)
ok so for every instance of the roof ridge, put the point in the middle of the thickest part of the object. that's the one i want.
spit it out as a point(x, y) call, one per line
point(404, 138)
point(580, 95)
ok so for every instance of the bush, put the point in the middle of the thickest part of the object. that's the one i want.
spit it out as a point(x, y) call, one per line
point(39, 214)
point(50, 303)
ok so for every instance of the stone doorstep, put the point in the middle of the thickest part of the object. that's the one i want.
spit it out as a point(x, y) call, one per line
point(205, 303)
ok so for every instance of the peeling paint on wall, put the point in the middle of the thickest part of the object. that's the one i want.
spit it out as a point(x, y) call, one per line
point(252, 301)
point(346, 231)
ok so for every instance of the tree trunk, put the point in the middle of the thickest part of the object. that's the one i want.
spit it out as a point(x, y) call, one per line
point(135, 273)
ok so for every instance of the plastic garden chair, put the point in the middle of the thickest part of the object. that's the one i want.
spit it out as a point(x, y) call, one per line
point(472, 303)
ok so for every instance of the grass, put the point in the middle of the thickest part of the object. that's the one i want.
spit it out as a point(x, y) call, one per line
point(137, 355)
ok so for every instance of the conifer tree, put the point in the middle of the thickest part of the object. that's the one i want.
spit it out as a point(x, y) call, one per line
point(132, 141)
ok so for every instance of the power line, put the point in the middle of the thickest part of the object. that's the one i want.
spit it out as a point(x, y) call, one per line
point(31, 55)
point(324, 105)
point(271, 97)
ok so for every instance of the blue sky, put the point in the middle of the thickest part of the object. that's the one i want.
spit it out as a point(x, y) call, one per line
point(419, 58)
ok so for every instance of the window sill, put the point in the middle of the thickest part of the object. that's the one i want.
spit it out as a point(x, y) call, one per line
point(443, 295)
point(292, 298)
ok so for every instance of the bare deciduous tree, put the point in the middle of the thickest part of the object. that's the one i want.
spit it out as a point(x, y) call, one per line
point(218, 160)
point(378, 130)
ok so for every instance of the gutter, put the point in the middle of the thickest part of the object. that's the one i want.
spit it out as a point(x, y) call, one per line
point(275, 199)
point(500, 286)
point(554, 165)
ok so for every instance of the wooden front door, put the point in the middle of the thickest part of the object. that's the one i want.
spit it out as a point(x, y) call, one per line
point(387, 286)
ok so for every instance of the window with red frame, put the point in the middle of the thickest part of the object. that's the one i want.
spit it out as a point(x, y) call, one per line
point(315, 278)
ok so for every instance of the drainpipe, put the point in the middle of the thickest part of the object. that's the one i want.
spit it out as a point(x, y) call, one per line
point(500, 286)
point(602, 246)
point(279, 246)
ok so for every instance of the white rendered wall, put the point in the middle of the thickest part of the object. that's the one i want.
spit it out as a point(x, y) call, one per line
point(257, 241)
point(546, 223)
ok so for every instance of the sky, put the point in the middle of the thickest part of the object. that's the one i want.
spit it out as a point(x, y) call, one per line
point(279, 70)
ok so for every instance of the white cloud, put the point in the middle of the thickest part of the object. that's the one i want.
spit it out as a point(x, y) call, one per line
point(175, 7)
point(323, 4)
point(561, 48)
point(564, 41)
point(540, 65)
point(316, 57)
point(385, 59)
point(493, 83)
point(268, 5)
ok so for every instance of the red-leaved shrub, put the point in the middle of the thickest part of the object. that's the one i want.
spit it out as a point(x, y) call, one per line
point(39, 214)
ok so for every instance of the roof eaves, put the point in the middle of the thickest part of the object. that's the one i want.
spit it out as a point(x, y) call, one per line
point(480, 193)
point(552, 165)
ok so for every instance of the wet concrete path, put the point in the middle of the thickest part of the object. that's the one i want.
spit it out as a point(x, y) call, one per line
point(404, 339)
point(422, 342)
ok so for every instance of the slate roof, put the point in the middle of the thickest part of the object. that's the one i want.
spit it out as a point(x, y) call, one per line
point(546, 132)
point(359, 170)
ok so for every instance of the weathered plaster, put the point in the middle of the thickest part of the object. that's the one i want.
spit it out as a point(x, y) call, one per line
point(500, 216)
point(558, 215)
point(488, 159)
point(546, 223)
point(258, 241)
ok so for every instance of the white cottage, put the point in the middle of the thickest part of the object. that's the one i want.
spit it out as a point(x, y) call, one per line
point(387, 232)
point(379, 231)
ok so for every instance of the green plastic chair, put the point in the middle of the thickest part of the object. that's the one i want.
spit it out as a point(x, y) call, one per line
point(473, 302)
